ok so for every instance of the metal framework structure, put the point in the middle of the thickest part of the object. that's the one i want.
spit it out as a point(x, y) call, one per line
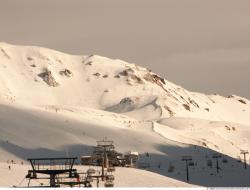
point(217, 156)
point(61, 171)
point(105, 149)
point(187, 159)
point(244, 152)
point(54, 168)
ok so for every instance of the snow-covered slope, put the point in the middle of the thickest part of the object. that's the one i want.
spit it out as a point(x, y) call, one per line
point(124, 177)
point(52, 103)
point(39, 76)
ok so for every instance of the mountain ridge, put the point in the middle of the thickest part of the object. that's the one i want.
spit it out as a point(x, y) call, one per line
point(56, 104)
point(102, 83)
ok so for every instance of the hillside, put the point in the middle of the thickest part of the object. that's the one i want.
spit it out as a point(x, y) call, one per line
point(101, 83)
point(80, 99)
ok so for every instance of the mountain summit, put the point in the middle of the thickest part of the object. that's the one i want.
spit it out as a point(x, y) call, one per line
point(56, 104)
point(38, 76)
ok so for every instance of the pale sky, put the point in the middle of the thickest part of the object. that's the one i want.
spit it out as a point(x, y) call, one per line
point(202, 45)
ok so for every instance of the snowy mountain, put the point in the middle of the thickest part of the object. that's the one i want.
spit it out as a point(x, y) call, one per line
point(56, 104)
point(101, 83)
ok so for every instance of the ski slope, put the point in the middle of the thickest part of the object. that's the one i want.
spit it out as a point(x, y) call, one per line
point(56, 104)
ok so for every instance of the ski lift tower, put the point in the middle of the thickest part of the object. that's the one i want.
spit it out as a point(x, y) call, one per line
point(53, 167)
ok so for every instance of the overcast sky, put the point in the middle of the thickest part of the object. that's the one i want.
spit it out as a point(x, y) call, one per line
point(202, 45)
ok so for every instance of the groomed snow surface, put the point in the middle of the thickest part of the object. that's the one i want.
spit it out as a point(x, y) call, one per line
point(55, 104)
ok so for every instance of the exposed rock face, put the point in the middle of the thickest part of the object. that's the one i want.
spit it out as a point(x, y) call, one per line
point(137, 79)
point(66, 73)
point(127, 72)
point(154, 78)
point(187, 107)
point(193, 102)
point(97, 74)
point(48, 78)
point(29, 58)
point(5, 53)
point(242, 101)
point(89, 63)
point(127, 101)
point(171, 113)
point(131, 74)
